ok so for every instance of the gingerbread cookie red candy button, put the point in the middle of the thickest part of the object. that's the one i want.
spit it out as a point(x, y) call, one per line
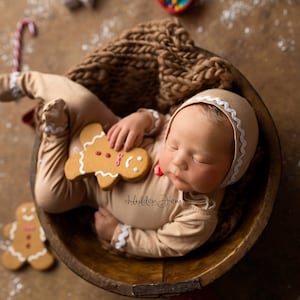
point(108, 165)
point(27, 241)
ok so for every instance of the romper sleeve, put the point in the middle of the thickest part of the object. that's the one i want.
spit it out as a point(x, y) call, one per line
point(190, 228)
point(157, 121)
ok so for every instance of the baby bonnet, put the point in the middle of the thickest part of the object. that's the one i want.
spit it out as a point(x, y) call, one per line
point(244, 123)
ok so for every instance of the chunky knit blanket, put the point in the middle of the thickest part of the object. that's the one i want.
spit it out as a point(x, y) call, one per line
point(155, 64)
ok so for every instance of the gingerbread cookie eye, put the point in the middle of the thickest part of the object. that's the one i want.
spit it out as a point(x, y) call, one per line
point(105, 163)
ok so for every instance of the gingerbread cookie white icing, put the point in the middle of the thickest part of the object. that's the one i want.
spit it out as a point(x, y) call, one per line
point(28, 241)
point(108, 165)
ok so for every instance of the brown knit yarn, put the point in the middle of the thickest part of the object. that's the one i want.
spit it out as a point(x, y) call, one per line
point(155, 64)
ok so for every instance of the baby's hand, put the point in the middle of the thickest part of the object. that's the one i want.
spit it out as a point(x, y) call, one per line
point(128, 132)
point(105, 224)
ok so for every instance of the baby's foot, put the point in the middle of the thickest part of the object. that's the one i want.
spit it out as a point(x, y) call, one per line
point(55, 117)
point(9, 89)
point(88, 3)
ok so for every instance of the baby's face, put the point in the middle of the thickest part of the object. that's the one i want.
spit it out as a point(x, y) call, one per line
point(198, 151)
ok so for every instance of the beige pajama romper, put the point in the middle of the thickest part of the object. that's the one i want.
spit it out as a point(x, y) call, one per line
point(155, 219)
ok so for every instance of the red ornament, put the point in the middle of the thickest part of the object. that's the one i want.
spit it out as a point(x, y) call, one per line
point(158, 171)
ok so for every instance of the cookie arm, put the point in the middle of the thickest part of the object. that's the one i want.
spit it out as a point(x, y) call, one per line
point(7, 229)
point(73, 167)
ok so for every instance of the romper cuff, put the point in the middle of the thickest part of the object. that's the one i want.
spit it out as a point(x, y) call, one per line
point(122, 236)
point(155, 120)
point(54, 130)
point(15, 90)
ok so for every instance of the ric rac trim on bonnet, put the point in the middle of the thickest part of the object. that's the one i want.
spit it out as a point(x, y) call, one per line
point(238, 122)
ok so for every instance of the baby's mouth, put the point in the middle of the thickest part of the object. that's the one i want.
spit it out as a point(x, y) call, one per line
point(178, 177)
point(175, 176)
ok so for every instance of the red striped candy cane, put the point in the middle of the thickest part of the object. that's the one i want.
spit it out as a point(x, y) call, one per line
point(19, 40)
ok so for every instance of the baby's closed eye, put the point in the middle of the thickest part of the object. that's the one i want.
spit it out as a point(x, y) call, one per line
point(172, 146)
point(201, 160)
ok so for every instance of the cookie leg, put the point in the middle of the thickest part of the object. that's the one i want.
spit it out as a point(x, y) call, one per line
point(12, 260)
point(41, 261)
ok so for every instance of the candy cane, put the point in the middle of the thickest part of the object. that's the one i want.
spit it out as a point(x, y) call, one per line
point(19, 39)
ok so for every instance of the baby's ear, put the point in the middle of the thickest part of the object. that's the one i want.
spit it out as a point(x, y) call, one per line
point(91, 131)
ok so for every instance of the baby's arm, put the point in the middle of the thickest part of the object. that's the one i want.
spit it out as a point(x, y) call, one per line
point(130, 131)
point(189, 230)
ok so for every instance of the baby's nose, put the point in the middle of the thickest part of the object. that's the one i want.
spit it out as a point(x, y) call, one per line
point(180, 161)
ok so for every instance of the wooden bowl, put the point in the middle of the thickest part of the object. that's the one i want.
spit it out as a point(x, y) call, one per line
point(74, 242)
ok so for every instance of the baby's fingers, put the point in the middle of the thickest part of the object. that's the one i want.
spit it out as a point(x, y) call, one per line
point(132, 140)
point(112, 135)
point(119, 139)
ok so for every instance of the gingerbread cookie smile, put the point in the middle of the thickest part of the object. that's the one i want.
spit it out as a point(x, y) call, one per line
point(105, 163)
point(27, 217)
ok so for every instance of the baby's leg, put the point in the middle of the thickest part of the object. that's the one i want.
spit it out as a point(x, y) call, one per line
point(53, 192)
point(83, 106)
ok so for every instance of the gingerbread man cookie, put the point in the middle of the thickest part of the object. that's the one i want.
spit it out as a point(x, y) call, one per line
point(105, 163)
point(28, 239)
